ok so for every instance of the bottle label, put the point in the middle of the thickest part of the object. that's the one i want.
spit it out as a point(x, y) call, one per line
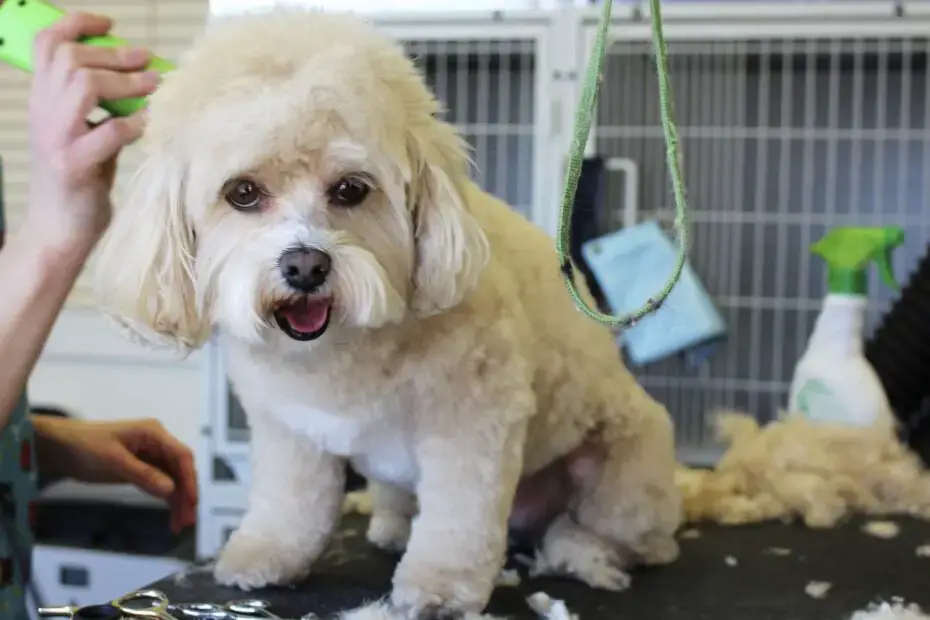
point(817, 402)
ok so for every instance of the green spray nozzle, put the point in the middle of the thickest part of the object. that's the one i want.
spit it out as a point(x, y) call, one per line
point(848, 252)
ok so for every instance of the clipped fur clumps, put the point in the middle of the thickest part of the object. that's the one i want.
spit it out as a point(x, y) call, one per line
point(381, 610)
point(891, 610)
point(796, 469)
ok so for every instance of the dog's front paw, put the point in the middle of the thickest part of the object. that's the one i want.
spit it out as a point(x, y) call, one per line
point(389, 531)
point(248, 562)
point(439, 592)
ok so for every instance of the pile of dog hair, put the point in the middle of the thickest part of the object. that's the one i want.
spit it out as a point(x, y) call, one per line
point(795, 469)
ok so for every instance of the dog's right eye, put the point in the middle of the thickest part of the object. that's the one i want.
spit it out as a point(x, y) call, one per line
point(244, 194)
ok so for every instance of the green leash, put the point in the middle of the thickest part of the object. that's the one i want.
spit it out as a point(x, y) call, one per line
point(583, 119)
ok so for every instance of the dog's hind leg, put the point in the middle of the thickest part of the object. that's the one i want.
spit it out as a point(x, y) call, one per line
point(392, 511)
point(634, 502)
point(627, 512)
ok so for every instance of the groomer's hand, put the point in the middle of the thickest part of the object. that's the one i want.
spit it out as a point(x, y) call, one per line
point(139, 452)
point(73, 163)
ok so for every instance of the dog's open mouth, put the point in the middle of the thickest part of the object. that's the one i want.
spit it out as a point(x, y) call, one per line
point(305, 318)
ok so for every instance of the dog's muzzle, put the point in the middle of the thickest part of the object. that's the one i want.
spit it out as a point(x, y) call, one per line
point(305, 271)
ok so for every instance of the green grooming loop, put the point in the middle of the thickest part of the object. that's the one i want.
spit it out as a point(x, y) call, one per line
point(22, 20)
point(582, 128)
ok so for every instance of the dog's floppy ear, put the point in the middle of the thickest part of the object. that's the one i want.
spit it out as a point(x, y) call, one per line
point(144, 270)
point(451, 248)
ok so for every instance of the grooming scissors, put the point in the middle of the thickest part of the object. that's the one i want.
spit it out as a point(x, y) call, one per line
point(154, 605)
point(246, 609)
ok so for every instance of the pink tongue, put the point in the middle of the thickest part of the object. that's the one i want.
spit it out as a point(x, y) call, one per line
point(306, 317)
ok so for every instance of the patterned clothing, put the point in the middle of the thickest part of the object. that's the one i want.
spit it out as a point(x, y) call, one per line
point(17, 494)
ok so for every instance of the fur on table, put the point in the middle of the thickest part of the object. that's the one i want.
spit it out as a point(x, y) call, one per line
point(793, 468)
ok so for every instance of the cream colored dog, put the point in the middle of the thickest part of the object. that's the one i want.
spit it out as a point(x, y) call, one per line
point(300, 192)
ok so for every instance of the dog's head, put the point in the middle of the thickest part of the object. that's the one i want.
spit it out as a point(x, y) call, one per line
point(295, 178)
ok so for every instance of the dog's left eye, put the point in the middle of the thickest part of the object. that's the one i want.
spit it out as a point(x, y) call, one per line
point(349, 192)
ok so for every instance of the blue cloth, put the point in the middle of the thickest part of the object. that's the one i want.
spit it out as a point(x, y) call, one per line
point(631, 266)
point(17, 482)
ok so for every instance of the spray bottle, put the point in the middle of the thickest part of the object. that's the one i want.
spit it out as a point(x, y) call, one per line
point(833, 382)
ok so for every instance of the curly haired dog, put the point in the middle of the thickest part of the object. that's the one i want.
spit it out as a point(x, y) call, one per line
point(299, 192)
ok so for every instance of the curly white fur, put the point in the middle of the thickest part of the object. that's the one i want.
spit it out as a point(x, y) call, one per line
point(454, 363)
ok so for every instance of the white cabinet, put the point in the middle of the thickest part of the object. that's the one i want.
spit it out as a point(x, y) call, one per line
point(215, 529)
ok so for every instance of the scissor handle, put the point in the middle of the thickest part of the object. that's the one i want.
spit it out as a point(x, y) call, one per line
point(206, 611)
point(61, 611)
point(157, 600)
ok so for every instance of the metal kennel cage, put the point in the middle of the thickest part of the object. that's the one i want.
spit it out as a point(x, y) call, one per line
point(790, 124)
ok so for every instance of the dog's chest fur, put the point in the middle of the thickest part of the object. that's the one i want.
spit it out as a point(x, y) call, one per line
point(344, 416)
point(376, 448)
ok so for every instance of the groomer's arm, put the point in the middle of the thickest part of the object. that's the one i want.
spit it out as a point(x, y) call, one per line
point(37, 273)
point(72, 168)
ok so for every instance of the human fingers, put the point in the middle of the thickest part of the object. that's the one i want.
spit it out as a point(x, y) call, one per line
point(164, 449)
point(161, 448)
point(106, 139)
point(69, 28)
point(127, 466)
point(87, 87)
point(183, 511)
point(84, 66)
point(111, 85)
point(72, 77)
point(72, 56)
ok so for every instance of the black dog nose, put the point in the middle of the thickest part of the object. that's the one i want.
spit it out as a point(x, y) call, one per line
point(305, 269)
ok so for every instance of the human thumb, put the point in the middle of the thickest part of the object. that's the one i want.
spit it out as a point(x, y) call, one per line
point(148, 478)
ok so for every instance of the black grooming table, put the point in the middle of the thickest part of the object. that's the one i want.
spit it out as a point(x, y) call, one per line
point(725, 573)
